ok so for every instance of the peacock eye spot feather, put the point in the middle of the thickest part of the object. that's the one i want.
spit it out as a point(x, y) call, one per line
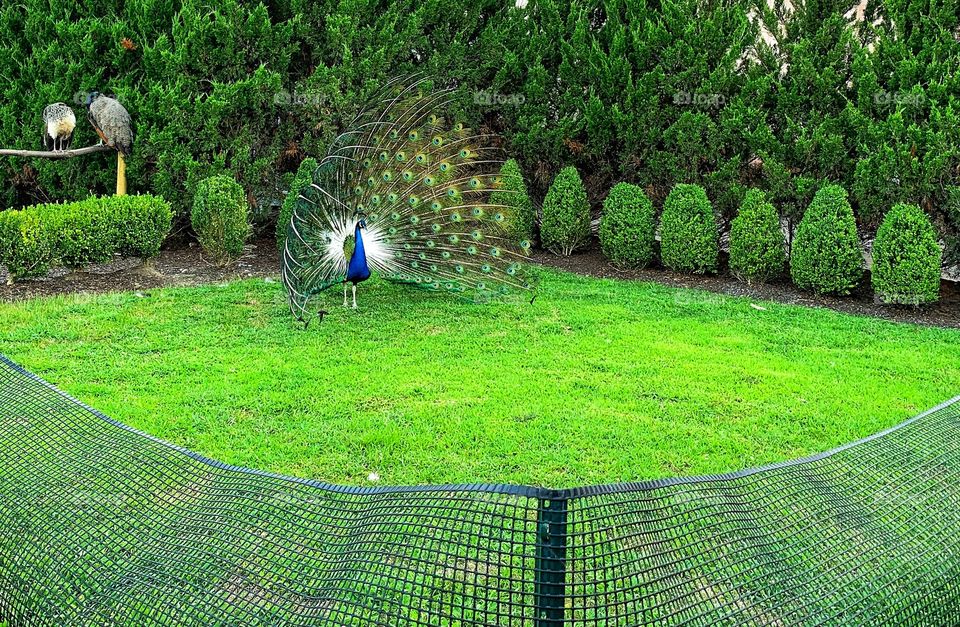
point(455, 217)
point(371, 181)
point(525, 244)
point(437, 141)
point(452, 192)
point(474, 182)
point(476, 235)
point(367, 163)
point(407, 176)
point(472, 250)
point(387, 176)
point(499, 217)
point(486, 268)
point(436, 228)
point(444, 167)
point(414, 220)
point(421, 158)
point(394, 216)
point(384, 156)
point(392, 230)
point(430, 243)
point(477, 212)
point(413, 136)
point(394, 134)
point(423, 256)
point(429, 180)
point(481, 285)
point(494, 252)
point(413, 201)
point(414, 264)
point(406, 246)
point(375, 199)
point(458, 127)
point(401, 156)
point(436, 206)
point(413, 234)
point(454, 239)
point(392, 198)
point(458, 269)
point(464, 153)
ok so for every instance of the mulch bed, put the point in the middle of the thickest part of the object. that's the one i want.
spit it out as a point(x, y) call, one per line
point(946, 313)
point(186, 265)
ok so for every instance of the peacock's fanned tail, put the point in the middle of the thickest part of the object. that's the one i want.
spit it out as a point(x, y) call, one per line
point(424, 186)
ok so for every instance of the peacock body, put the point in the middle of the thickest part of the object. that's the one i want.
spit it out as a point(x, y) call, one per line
point(405, 194)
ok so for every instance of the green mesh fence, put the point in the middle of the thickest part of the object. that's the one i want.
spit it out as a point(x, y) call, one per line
point(103, 525)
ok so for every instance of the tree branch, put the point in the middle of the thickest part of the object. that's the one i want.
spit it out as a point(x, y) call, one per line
point(61, 154)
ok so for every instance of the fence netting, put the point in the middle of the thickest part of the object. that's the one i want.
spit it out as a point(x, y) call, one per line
point(103, 525)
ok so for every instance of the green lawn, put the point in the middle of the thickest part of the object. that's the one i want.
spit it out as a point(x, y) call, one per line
point(598, 381)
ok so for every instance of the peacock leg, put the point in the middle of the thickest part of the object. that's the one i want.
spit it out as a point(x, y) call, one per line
point(345, 302)
point(354, 295)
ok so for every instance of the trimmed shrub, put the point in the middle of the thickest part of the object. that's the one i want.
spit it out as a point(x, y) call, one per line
point(627, 226)
point(24, 246)
point(826, 255)
point(566, 214)
point(758, 250)
point(303, 178)
point(689, 238)
point(906, 258)
point(514, 196)
point(141, 224)
point(220, 218)
point(82, 233)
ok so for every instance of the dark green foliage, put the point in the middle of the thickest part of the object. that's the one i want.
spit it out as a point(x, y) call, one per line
point(627, 226)
point(220, 218)
point(757, 246)
point(689, 240)
point(303, 178)
point(82, 233)
point(826, 255)
point(906, 258)
point(652, 93)
point(565, 226)
point(515, 196)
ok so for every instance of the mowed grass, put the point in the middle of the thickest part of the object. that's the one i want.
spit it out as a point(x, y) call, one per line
point(598, 381)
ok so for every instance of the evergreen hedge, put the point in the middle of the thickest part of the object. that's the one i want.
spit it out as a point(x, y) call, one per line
point(515, 197)
point(757, 246)
point(220, 218)
point(906, 258)
point(75, 235)
point(627, 227)
point(826, 255)
point(689, 239)
point(303, 178)
point(622, 90)
point(565, 226)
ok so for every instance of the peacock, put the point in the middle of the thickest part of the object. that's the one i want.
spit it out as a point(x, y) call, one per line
point(405, 194)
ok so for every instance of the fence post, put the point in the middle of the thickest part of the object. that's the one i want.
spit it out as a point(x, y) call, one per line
point(550, 565)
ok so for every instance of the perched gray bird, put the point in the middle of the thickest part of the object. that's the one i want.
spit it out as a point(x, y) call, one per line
point(111, 121)
point(59, 122)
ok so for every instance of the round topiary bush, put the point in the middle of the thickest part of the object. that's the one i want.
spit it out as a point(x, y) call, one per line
point(515, 201)
point(627, 227)
point(826, 256)
point(906, 258)
point(689, 239)
point(220, 218)
point(303, 178)
point(758, 250)
point(566, 214)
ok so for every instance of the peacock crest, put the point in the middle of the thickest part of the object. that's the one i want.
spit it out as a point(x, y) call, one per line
point(405, 194)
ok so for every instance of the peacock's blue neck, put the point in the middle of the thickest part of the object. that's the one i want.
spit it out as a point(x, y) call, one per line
point(358, 270)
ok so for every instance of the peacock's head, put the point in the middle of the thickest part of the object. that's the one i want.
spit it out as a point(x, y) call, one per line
point(361, 217)
point(93, 95)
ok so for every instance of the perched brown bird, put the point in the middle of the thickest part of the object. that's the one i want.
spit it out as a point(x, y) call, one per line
point(111, 121)
point(59, 122)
